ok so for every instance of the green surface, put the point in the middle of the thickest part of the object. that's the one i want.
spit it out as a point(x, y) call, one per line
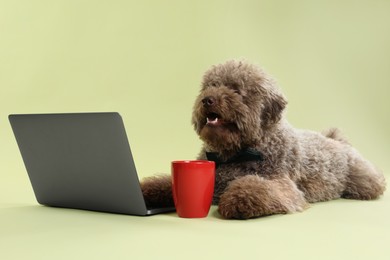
point(145, 59)
point(336, 230)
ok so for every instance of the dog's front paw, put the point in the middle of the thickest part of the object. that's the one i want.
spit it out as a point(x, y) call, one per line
point(239, 206)
point(240, 201)
point(235, 207)
point(157, 191)
point(250, 196)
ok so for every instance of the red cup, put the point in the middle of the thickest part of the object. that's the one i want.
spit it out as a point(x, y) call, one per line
point(193, 187)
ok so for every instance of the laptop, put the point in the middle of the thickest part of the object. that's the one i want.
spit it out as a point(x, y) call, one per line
point(81, 161)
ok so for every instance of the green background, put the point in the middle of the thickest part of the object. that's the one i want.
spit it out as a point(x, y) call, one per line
point(145, 59)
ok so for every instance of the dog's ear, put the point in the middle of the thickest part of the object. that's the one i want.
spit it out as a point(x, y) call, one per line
point(272, 107)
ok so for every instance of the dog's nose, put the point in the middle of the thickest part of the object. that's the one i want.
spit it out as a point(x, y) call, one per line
point(208, 101)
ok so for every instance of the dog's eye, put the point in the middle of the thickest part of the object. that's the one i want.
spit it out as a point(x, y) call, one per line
point(235, 88)
point(237, 91)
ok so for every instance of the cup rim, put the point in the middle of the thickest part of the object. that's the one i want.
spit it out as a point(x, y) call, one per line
point(193, 162)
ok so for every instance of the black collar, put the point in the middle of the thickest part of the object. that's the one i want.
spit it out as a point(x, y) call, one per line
point(245, 155)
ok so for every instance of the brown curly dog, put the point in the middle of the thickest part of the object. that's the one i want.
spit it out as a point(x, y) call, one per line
point(264, 165)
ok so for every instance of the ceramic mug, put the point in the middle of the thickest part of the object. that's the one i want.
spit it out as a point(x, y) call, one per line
point(193, 187)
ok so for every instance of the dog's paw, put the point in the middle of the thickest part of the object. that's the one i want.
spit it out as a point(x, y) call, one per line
point(237, 207)
point(157, 191)
point(242, 199)
point(252, 196)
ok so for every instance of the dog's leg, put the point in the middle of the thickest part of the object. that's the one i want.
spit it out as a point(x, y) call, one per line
point(364, 181)
point(254, 196)
point(157, 191)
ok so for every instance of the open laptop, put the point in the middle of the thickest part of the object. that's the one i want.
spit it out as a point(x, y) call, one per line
point(81, 161)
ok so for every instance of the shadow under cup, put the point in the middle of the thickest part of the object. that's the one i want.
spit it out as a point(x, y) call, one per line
point(193, 187)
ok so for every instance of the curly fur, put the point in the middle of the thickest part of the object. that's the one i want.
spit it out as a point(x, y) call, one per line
point(241, 198)
point(299, 166)
point(158, 191)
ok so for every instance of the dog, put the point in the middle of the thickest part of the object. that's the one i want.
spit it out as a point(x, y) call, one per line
point(265, 166)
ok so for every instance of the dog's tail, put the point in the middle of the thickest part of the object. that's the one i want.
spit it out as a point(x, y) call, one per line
point(335, 134)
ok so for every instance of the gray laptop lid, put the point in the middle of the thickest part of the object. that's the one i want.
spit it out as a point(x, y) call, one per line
point(80, 160)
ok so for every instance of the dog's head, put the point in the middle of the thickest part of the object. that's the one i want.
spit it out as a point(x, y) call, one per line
point(237, 102)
